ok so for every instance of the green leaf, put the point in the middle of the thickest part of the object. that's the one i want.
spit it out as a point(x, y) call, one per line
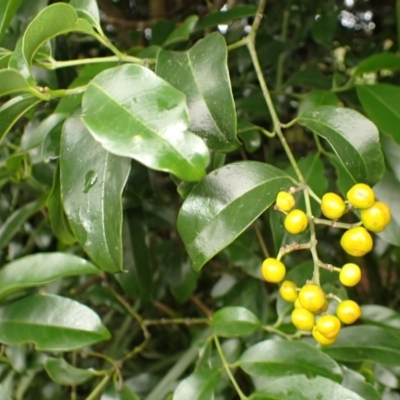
point(182, 32)
point(134, 113)
point(137, 277)
point(344, 180)
point(353, 137)
point(51, 322)
point(378, 62)
point(4, 57)
point(234, 321)
point(366, 343)
point(41, 29)
point(7, 10)
point(14, 222)
point(3, 393)
point(381, 316)
point(379, 102)
point(198, 386)
point(324, 28)
point(39, 269)
point(87, 9)
point(224, 204)
point(300, 387)
point(58, 220)
point(92, 181)
point(12, 81)
point(65, 374)
point(317, 98)
point(274, 358)
point(202, 74)
point(357, 383)
point(113, 392)
point(224, 17)
point(13, 110)
point(249, 134)
point(310, 77)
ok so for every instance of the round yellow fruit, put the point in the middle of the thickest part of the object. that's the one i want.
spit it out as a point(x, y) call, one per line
point(377, 217)
point(321, 339)
point(296, 222)
point(332, 205)
point(285, 201)
point(361, 196)
point(303, 319)
point(348, 311)
point(288, 291)
point(311, 297)
point(297, 303)
point(356, 241)
point(273, 270)
point(350, 274)
point(329, 326)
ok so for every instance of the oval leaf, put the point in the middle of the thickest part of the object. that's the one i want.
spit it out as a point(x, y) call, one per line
point(114, 392)
point(51, 322)
point(88, 10)
point(40, 269)
point(382, 316)
point(7, 10)
point(317, 98)
point(378, 62)
point(92, 180)
point(198, 386)
point(301, 388)
point(134, 113)
point(234, 321)
point(182, 32)
point(202, 74)
point(275, 358)
point(356, 382)
point(353, 137)
point(12, 81)
point(65, 374)
point(224, 204)
point(366, 343)
point(379, 103)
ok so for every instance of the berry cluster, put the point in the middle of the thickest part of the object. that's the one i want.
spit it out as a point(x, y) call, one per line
point(310, 301)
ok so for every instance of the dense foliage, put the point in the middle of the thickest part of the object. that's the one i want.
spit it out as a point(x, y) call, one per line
point(143, 147)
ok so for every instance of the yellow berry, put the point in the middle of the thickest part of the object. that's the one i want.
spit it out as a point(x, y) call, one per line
point(348, 311)
point(296, 222)
point(311, 297)
point(321, 339)
point(288, 291)
point(350, 274)
point(332, 206)
point(285, 201)
point(356, 241)
point(323, 308)
point(303, 319)
point(297, 303)
point(329, 326)
point(273, 270)
point(377, 217)
point(361, 196)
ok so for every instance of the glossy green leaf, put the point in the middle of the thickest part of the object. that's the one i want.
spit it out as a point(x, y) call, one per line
point(274, 358)
point(353, 137)
point(13, 110)
point(8, 8)
point(182, 280)
point(182, 32)
point(137, 277)
point(39, 269)
point(58, 220)
point(202, 74)
point(324, 28)
point(15, 221)
point(381, 316)
point(366, 343)
point(87, 9)
point(114, 392)
point(310, 77)
point(65, 374)
point(12, 81)
point(249, 134)
point(317, 98)
point(91, 190)
point(344, 180)
point(4, 57)
point(224, 17)
point(51, 322)
point(378, 62)
point(356, 382)
point(379, 102)
point(234, 321)
point(300, 387)
point(224, 204)
point(134, 113)
point(3, 394)
point(198, 386)
point(41, 29)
